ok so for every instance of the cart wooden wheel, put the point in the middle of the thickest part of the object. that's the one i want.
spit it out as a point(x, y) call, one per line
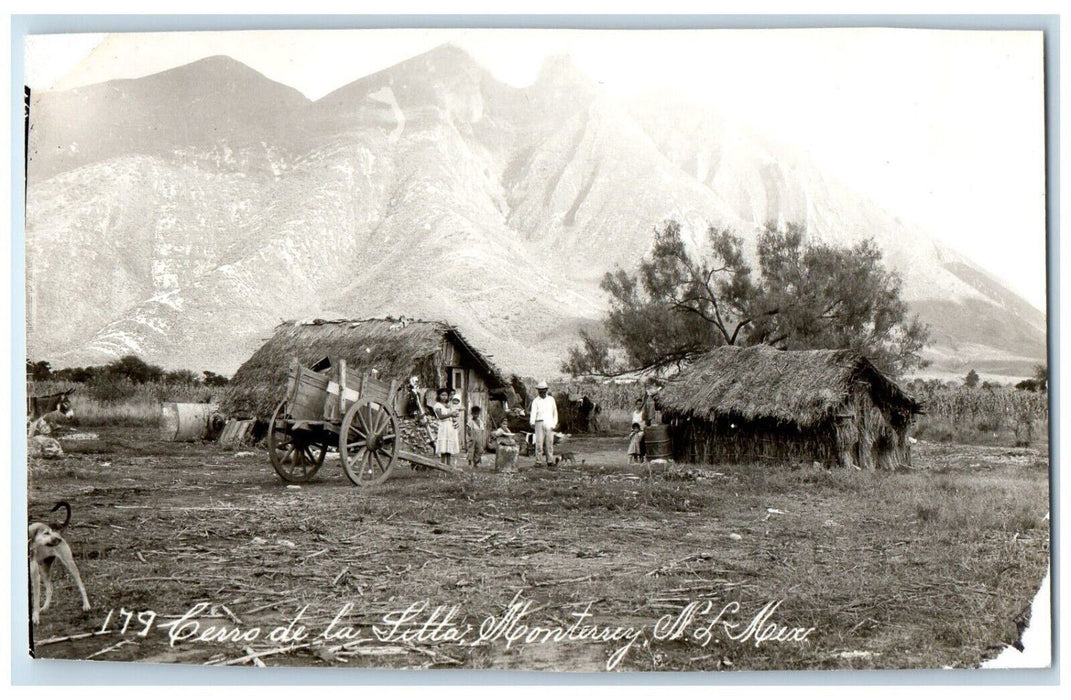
point(368, 442)
point(295, 454)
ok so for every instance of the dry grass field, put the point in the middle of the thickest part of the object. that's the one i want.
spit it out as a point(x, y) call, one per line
point(922, 568)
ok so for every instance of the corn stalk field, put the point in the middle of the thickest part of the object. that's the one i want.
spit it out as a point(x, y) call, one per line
point(609, 396)
point(962, 404)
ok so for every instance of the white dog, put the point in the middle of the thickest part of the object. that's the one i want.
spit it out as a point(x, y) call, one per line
point(46, 547)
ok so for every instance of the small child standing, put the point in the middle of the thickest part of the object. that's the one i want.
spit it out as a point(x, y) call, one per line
point(635, 444)
point(477, 437)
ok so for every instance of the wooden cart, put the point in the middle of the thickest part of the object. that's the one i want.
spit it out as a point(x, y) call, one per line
point(326, 410)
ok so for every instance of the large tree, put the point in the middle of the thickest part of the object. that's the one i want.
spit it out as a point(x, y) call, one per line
point(39, 371)
point(681, 302)
point(1041, 377)
point(135, 369)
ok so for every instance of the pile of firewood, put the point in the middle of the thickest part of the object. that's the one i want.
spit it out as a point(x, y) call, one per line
point(416, 436)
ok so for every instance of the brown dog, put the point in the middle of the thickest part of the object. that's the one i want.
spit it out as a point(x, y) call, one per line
point(46, 547)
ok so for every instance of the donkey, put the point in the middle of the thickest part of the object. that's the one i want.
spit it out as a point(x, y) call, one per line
point(41, 408)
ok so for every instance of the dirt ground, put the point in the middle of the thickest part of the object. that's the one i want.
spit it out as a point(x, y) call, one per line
point(196, 554)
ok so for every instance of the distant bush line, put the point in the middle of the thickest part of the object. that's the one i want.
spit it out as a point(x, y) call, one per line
point(125, 392)
point(129, 370)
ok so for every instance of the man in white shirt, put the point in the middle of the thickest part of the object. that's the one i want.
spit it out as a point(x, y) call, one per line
point(544, 419)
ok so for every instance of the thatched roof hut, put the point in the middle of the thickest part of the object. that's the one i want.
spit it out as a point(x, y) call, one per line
point(436, 353)
point(739, 404)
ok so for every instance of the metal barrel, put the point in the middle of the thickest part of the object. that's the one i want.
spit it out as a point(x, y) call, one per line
point(181, 422)
point(656, 442)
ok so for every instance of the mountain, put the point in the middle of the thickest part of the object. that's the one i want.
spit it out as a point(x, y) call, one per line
point(216, 110)
point(182, 215)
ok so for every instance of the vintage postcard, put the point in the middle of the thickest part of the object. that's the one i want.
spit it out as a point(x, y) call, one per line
point(555, 350)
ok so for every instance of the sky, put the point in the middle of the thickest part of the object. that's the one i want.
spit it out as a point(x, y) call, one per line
point(942, 128)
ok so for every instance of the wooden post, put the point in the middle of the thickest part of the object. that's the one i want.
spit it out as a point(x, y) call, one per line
point(392, 395)
point(295, 379)
point(341, 388)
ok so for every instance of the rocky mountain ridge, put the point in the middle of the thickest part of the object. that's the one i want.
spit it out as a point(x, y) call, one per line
point(182, 215)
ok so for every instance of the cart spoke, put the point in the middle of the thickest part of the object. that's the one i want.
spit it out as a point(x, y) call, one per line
point(368, 442)
point(293, 453)
point(364, 420)
point(381, 420)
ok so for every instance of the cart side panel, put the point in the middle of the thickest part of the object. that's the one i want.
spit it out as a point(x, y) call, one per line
point(306, 393)
point(344, 382)
point(378, 391)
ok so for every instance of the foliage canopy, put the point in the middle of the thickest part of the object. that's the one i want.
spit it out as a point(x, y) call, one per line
point(682, 301)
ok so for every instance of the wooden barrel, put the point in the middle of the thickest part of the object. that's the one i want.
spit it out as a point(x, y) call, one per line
point(656, 442)
point(180, 422)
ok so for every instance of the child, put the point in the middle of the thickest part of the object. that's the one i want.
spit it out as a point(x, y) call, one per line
point(455, 407)
point(477, 437)
point(637, 413)
point(635, 444)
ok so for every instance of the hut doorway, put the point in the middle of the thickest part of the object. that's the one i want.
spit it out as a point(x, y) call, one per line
point(457, 380)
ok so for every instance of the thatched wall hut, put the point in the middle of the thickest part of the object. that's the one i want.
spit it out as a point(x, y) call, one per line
point(758, 403)
point(436, 353)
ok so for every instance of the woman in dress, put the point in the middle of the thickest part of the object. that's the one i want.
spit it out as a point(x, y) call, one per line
point(446, 439)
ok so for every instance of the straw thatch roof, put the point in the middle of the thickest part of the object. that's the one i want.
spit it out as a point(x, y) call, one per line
point(396, 348)
point(800, 387)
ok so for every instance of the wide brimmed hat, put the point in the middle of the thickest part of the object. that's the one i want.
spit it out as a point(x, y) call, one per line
point(541, 385)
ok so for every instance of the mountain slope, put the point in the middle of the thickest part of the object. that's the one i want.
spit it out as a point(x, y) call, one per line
point(428, 189)
point(215, 110)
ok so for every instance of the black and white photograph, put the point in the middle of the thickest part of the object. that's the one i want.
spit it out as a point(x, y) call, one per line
point(563, 350)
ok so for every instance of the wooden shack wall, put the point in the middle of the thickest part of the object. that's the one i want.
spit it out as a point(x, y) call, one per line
point(476, 387)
